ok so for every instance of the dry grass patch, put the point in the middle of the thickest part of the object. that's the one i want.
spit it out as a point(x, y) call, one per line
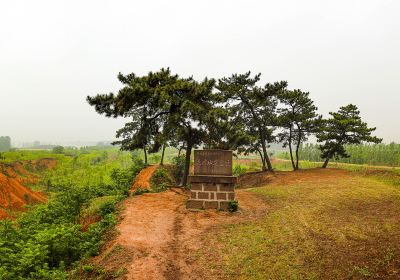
point(321, 224)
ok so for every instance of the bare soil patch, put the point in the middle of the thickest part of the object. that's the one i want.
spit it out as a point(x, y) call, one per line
point(142, 180)
point(159, 238)
point(14, 194)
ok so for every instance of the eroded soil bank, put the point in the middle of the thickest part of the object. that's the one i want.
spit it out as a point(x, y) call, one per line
point(14, 181)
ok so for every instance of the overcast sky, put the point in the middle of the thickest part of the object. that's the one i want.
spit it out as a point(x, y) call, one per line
point(55, 53)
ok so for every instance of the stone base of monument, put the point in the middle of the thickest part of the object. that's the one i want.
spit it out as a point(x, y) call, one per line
point(211, 191)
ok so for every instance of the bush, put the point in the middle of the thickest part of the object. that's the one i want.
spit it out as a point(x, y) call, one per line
point(233, 206)
point(107, 208)
point(178, 168)
point(239, 170)
point(140, 191)
point(58, 149)
point(160, 180)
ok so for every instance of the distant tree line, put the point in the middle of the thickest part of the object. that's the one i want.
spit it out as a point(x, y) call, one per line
point(379, 154)
point(233, 112)
point(5, 143)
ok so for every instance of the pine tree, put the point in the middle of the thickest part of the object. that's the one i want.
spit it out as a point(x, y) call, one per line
point(252, 113)
point(163, 107)
point(299, 119)
point(343, 128)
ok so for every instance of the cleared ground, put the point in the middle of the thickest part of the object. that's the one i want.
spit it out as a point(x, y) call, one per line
point(312, 224)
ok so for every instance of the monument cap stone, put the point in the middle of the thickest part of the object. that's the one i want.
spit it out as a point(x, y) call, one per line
point(213, 162)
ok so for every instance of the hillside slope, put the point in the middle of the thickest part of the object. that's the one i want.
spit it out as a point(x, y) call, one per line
point(14, 178)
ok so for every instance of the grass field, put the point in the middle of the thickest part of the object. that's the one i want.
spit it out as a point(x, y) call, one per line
point(320, 224)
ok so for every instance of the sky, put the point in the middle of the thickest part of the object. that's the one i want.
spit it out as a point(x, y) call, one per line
point(55, 53)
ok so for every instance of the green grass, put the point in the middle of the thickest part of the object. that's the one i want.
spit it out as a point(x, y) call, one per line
point(97, 203)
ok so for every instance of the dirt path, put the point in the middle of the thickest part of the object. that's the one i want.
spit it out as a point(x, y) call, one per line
point(142, 180)
point(158, 236)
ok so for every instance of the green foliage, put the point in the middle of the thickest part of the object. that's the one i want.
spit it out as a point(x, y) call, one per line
point(47, 240)
point(379, 154)
point(160, 180)
point(163, 107)
point(178, 168)
point(58, 150)
point(140, 191)
point(233, 206)
point(343, 128)
point(252, 113)
point(239, 170)
point(107, 208)
point(299, 119)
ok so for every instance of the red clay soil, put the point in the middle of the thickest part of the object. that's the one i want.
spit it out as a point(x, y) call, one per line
point(14, 195)
point(142, 180)
point(158, 237)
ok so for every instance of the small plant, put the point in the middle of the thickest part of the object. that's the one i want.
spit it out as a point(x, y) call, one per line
point(120, 272)
point(107, 208)
point(88, 268)
point(239, 170)
point(140, 191)
point(233, 206)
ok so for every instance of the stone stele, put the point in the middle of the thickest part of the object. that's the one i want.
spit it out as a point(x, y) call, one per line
point(212, 185)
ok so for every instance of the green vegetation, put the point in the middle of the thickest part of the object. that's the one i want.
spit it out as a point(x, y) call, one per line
point(234, 112)
point(233, 206)
point(380, 154)
point(162, 107)
point(49, 240)
point(58, 150)
point(343, 128)
point(161, 180)
point(299, 120)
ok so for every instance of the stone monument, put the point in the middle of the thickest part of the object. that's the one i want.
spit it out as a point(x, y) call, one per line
point(212, 185)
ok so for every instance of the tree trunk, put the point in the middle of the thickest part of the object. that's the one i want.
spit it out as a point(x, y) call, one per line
point(326, 162)
point(262, 158)
point(187, 163)
point(180, 150)
point(297, 151)
point(268, 161)
point(145, 155)
point(266, 157)
point(162, 154)
point(290, 148)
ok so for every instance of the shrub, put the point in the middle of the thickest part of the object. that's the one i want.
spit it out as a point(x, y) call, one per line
point(140, 191)
point(178, 168)
point(107, 208)
point(239, 170)
point(233, 206)
point(160, 180)
point(58, 149)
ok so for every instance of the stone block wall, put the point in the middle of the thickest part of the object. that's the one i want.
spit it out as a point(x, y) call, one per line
point(211, 192)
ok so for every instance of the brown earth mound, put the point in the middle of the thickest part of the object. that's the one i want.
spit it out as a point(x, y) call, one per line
point(14, 194)
point(142, 180)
